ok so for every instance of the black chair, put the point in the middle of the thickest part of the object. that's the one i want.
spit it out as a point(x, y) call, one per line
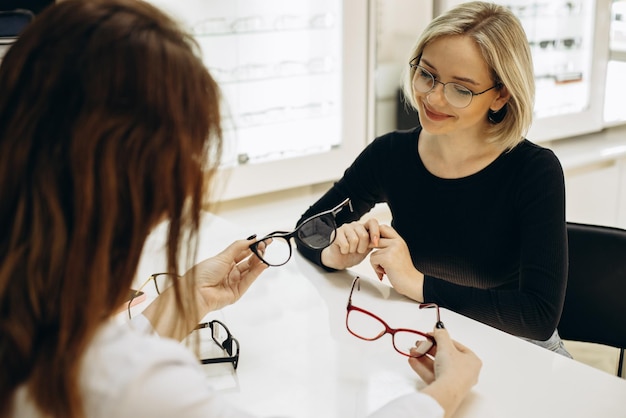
point(595, 301)
point(12, 22)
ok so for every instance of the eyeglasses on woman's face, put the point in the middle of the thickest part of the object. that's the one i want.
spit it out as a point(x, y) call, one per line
point(316, 232)
point(457, 95)
point(365, 325)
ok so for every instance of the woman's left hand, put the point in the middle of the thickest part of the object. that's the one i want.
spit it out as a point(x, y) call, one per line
point(392, 258)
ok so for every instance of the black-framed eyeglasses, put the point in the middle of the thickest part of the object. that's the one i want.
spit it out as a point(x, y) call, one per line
point(220, 334)
point(365, 325)
point(457, 95)
point(316, 232)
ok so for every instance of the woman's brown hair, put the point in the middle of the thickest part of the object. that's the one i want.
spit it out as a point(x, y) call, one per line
point(109, 124)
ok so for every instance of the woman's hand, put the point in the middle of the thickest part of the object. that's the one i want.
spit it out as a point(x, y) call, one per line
point(450, 369)
point(221, 280)
point(218, 281)
point(392, 258)
point(353, 243)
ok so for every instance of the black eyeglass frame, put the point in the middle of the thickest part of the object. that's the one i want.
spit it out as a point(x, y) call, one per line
point(226, 345)
point(388, 330)
point(415, 66)
point(288, 235)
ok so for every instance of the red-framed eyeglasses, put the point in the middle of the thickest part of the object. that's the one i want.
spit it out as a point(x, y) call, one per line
point(367, 326)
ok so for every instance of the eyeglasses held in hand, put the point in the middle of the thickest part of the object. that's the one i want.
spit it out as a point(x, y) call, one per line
point(316, 232)
point(367, 326)
point(457, 95)
point(220, 334)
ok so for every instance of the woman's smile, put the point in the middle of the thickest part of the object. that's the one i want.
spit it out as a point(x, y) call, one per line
point(434, 115)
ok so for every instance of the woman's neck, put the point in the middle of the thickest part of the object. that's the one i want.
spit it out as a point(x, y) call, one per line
point(456, 156)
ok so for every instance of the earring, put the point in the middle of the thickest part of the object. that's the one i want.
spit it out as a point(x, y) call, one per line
point(496, 117)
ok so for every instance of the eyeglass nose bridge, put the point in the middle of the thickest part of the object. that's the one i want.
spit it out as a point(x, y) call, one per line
point(433, 90)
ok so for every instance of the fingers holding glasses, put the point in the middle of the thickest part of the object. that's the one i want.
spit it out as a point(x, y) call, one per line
point(356, 237)
point(450, 359)
point(353, 242)
point(423, 348)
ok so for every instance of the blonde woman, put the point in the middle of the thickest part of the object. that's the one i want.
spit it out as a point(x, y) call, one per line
point(478, 210)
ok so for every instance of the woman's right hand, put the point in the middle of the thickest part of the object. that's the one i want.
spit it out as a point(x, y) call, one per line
point(352, 244)
point(450, 369)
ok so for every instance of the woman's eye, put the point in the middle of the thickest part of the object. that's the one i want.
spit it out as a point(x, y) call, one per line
point(425, 74)
point(462, 91)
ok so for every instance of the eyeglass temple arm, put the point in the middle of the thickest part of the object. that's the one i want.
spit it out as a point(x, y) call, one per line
point(218, 360)
point(438, 324)
point(355, 282)
point(340, 206)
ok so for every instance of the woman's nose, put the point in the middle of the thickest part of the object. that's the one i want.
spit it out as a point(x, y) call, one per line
point(436, 96)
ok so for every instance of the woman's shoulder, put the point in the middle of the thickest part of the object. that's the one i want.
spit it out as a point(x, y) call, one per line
point(530, 154)
point(527, 147)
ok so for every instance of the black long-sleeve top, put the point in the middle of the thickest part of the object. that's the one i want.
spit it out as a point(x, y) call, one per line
point(492, 245)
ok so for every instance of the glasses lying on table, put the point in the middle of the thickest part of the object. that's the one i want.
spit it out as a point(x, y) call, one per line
point(220, 334)
point(316, 232)
point(367, 326)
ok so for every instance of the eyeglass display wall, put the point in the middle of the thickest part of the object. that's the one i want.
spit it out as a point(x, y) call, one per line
point(568, 41)
point(293, 74)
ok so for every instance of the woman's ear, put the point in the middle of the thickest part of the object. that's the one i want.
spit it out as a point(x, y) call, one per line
point(500, 100)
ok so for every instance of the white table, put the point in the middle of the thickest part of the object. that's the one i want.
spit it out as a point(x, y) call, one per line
point(298, 359)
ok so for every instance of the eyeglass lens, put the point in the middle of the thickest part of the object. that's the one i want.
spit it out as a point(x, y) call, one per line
point(456, 94)
point(222, 337)
point(318, 233)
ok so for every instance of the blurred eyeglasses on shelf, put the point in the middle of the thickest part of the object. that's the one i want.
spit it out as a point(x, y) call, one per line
point(550, 9)
point(265, 71)
point(367, 326)
point(283, 114)
point(257, 23)
point(316, 232)
point(557, 44)
point(209, 332)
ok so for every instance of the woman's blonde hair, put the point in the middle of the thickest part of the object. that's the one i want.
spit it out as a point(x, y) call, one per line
point(504, 46)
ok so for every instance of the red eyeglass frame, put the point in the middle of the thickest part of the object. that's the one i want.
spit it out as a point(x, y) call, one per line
point(389, 330)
